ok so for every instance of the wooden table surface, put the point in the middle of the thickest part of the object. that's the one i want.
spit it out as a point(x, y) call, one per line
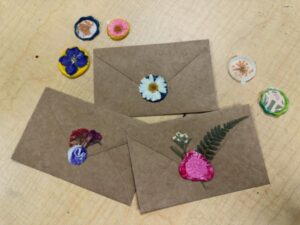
point(34, 33)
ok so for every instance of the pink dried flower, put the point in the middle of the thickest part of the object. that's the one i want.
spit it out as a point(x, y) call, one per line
point(94, 137)
point(195, 167)
point(83, 136)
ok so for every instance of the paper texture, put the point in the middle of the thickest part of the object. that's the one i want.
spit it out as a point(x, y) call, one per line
point(186, 66)
point(44, 145)
point(238, 165)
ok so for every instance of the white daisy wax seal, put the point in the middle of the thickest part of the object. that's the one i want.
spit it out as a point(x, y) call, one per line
point(153, 88)
point(242, 68)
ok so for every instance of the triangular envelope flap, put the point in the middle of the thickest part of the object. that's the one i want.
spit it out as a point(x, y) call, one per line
point(200, 72)
point(44, 145)
point(158, 137)
point(157, 181)
point(155, 138)
point(37, 140)
point(162, 59)
point(71, 115)
point(196, 126)
point(238, 164)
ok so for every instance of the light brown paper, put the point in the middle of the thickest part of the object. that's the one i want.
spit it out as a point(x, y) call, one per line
point(186, 66)
point(44, 145)
point(238, 165)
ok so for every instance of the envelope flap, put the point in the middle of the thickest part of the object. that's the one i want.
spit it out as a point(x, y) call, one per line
point(157, 180)
point(72, 114)
point(44, 145)
point(186, 66)
point(155, 138)
point(163, 59)
point(238, 164)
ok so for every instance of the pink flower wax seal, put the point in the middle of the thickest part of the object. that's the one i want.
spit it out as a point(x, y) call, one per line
point(195, 167)
point(118, 29)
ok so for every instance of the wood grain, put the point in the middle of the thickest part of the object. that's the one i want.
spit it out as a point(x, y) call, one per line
point(34, 33)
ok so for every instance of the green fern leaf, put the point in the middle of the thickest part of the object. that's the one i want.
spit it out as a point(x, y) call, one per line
point(210, 143)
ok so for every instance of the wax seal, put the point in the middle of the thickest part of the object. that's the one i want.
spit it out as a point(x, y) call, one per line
point(73, 62)
point(77, 155)
point(274, 102)
point(153, 88)
point(242, 68)
point(118, 29)
point(79, 140)
point(87, 28)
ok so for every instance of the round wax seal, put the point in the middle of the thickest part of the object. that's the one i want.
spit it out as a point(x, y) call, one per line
point(242, 68)
point(153, 88)
point(77, 155)
point(73, 62)
point(118, 29)
point(87, 28)
point(274, 102)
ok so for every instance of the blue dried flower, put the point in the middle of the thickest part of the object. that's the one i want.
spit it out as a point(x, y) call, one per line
point(73, 61)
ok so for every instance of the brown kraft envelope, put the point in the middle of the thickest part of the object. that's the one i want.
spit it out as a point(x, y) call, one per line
point(238, 164)
point(186, 66)
point(44, 145)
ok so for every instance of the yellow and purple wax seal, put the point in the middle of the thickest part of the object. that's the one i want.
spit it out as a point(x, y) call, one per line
point(274, 102)
point(242, 68)
point(74, 62)
point(118, 29)
point(87, 28)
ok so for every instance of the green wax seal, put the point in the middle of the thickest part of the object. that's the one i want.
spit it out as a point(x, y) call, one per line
point(274, 102)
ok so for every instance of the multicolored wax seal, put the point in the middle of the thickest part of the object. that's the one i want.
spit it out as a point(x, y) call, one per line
point(79, 141)
point(274, 102)
point(118, 29)
point(87, 28)
point(242, 68)
point(73, 62)
point(77, 155)
point(153, 88)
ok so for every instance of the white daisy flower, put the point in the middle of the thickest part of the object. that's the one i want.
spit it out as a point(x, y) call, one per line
point(153, 88)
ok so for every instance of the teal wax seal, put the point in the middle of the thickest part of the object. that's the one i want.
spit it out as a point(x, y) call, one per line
point(274, 102)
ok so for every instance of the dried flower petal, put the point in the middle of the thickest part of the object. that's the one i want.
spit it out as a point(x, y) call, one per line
point(95, 137)
point(78, 136)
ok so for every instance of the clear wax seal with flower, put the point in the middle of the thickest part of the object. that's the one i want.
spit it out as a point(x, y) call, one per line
point(79, 141)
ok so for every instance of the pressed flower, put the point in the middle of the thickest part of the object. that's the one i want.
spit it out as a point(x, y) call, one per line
point(84, 136)
point(87, 28)
point(118, 29)
point(195, 167)
point(242, 68)
point(153, 88)
point(80, 139)
point(73, 62)
point(195, 164)
point(94, 137)
point(78, 136)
